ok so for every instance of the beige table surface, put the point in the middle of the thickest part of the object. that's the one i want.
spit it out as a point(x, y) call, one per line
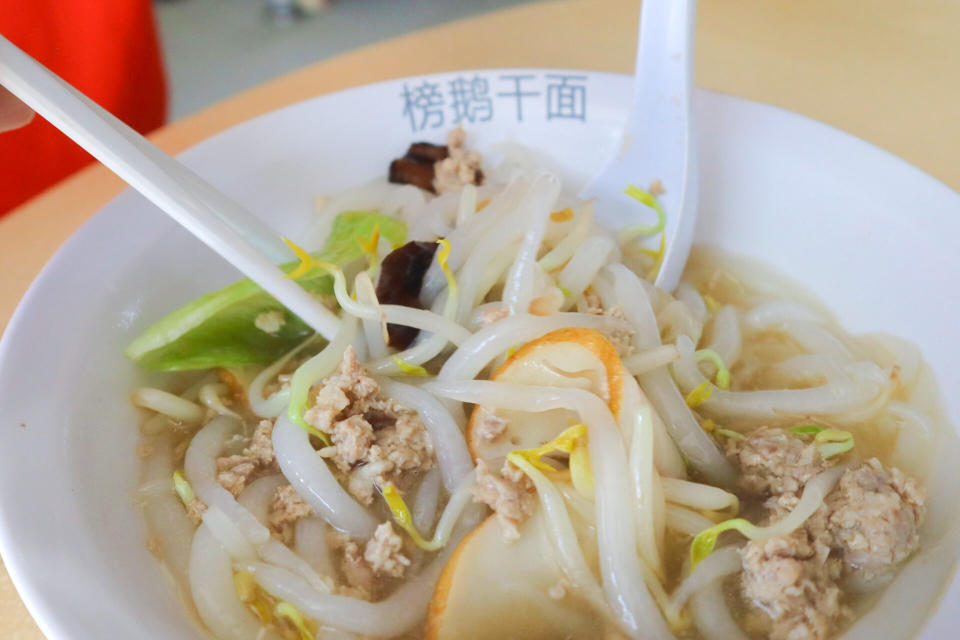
point(884, 70)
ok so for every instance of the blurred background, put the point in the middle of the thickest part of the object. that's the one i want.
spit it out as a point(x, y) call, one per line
point(150, 62)
point(884, 70)
point(215, 48)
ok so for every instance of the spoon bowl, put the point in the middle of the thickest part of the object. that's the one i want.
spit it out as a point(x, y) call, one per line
point(658, 148)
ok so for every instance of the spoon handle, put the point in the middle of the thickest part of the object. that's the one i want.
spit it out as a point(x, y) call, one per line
point(222, 224)
point(658, 143)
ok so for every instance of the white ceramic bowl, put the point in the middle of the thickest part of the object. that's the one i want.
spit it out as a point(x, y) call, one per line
point(873, 237)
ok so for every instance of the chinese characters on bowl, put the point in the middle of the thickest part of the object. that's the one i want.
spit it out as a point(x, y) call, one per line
point(431, 104)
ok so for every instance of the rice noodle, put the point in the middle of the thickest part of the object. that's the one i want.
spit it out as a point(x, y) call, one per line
point(168, 404)
point(155, 425)
point(560, 254)
point(228, 535)
point(646, 361)
point(310, 543)
point(700, 450)
point(516, 159)
point(645, 478)
point(510, 229)
point(859, 386)
point(486, 344)
point(666, 457)
point(698, 496)
point(727, 340)
point(425, 505)
point(257, 496)
point(685, 521)
point(718, 565)
point(425, 321)
point(403, 202)
point(814, 493)
point(447, 440)
point(392, 616)
point(581, 505)
point(677, 320)
point(494, 270)
point(455, 509)
point(559, 226)
point(280, 555)
point(418, 354)
point(802, 324)
point(323, 364)
point(409, 317)
point(712, 616)
point(272, 407)
point(372, 329)
point(693, 442)
point(192, 392)
point(615, 285)
point(519, 288)
point(210, 396)
point(168, 523)
point(815, 338)
point(563, 537)
point(769, 315)
point(468, 204)
point(436, 218)
point(214, 594)
point(659, 512)
point(329, 633)
point(806, 368)
point(315, 483)
point(394, 313)
point(359, 345)
point(465, 238)
point(501, 231)
point(689, 296)
point(496, 339)
point(389, 617)
point(201, 469)
point(620, 566)
point(915, 437)
point(586, 262)
point(890, 351)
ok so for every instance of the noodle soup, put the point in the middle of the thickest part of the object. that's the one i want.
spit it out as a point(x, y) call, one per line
point(514, 434)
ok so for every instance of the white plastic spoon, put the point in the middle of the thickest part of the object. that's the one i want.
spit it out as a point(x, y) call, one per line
point(658, 143)
point(222, 224)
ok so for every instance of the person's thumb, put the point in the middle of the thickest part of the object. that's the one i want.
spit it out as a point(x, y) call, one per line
point(13, 113)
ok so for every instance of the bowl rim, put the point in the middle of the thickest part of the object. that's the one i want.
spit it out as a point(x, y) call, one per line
point(51, 620)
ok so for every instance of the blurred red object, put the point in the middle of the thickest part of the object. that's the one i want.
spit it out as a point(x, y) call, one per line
point(109, 50)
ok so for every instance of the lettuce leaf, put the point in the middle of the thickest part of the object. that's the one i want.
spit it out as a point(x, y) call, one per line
point(218, 330)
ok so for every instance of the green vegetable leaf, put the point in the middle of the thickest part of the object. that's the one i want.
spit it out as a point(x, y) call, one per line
point(218, 329)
